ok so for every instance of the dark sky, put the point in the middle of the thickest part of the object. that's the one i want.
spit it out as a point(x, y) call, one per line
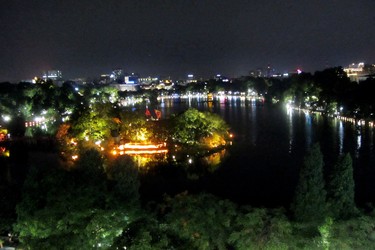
point(177, 37)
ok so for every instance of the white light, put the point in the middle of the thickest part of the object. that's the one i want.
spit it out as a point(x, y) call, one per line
point(6, 118)
point(39, 119)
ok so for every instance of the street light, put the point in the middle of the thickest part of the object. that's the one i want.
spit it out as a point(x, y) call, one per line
point(6, 118)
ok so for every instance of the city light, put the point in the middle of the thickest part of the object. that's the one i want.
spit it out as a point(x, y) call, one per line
point(140, 148)
point(6, 118)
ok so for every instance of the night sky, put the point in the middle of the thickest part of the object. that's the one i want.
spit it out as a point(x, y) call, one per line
point(175, 37)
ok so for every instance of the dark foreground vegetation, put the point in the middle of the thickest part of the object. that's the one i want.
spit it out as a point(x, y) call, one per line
point(97, 205)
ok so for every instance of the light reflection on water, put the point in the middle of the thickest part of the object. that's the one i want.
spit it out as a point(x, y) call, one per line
point(250, 121)
point(359, 143)
point(308, 129)
point(341, 136)
point(271, 141)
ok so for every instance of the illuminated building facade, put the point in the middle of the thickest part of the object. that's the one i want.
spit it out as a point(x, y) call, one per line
point(52, 75)
point(359, 72)
point(353, 71)
point(131, 79)
point(148, 80)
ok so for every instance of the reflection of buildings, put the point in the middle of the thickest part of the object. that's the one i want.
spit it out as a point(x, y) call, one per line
point(359, 72)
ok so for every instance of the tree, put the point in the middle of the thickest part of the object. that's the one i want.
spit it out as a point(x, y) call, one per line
point(260, 228)
point(134, 127)
point(193, 126)
point(335, 85)
point(341, 189)
point(203, 220)
point(95, 123)
point(310, 198)
point(123, 177)
point(147, 233)
point(74, 209)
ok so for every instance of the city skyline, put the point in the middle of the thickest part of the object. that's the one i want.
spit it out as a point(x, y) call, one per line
point(88, 38)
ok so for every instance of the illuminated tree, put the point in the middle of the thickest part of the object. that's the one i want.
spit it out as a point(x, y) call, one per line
point(135, 128)
point(193, 126)
point(341, 189)
point(95, 123)
point(310, 198)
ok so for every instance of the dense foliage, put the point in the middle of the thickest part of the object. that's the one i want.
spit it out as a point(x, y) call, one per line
point(95, 202)
point(310, 198)
point(81, 208)
point(193, 127)
point(341, 189)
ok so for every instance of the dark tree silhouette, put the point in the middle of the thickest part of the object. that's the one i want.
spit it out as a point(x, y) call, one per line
point(310, 198)
point(341, 189)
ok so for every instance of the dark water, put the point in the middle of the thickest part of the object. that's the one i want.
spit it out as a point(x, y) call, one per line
point(270, 142)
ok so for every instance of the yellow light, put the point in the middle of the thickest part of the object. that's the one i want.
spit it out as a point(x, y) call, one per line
point(74, 157)
point(160, 151)
point(140, 148)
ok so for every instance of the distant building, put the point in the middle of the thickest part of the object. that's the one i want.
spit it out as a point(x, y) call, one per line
point(125, 87)
point(191, 79)
point(105, 79)
point(165, 84)
point(128, 83)
point(131, 79)
point(359, 72)
point(54, 75)
point(117, 75)
point(256, 73)
point(269, 71)
point(222, 78)
point(148, 80)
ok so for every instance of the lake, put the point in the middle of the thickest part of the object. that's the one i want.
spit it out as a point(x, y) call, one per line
point(262, 166)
